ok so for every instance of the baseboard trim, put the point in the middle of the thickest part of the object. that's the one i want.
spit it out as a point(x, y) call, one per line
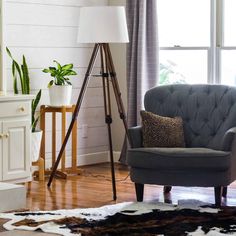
point(88, 159)
point(92, 158)
point(116, 156)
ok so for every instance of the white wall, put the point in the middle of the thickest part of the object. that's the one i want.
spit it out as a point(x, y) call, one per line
point(2, 85)
point(44, 30)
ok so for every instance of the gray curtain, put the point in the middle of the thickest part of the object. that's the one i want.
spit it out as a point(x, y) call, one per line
point(142, 57)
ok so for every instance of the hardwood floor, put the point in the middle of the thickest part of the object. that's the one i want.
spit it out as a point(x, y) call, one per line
point(92, 188)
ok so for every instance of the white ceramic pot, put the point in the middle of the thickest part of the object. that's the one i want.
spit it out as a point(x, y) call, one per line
point(36, 138)
point(60, 95)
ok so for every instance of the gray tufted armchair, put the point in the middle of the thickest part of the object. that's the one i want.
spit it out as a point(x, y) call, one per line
point(209, 159)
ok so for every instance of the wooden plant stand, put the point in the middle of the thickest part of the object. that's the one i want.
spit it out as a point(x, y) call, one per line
point(63, 172)
point(41, 169)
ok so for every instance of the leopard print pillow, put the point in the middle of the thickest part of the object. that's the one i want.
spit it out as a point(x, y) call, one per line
point(160, 131)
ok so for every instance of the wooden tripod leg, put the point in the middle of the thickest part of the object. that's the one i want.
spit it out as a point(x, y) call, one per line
point(116, 89)
point(108, 118)
point(76, 112)
point(74, 147)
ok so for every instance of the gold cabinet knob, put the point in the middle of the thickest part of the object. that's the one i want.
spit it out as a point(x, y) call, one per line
point(6, 135)
point(1, 136)
point(22, 109)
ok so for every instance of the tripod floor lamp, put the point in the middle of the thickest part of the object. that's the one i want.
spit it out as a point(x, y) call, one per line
point(100, 25)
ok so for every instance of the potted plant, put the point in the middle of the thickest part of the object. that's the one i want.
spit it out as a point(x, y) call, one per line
point(20, 72)
point(36, 136)
point(60, 87)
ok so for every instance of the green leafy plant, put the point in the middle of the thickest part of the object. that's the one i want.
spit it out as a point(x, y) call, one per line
point(60, 74)
point(166, 70)
point(21, 72)
point(34, 105)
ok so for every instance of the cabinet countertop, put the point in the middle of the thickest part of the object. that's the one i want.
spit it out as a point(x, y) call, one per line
point(16, 97)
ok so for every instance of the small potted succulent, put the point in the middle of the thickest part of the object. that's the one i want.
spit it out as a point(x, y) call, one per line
point(60, 87)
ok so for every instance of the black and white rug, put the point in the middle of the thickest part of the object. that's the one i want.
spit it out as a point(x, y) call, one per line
point(129, 219)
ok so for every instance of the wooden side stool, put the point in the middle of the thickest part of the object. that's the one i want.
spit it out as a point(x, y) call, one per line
point(73, 169)
point(41, 170)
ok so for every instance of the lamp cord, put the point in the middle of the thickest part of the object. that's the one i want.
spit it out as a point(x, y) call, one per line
point(90, 174)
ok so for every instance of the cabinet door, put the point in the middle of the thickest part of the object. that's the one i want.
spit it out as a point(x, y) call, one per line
point(16, 149)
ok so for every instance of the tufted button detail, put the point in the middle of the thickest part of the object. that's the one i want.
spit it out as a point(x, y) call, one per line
point(171, 89)
point(203, 115)
point(207, 90)
point(187, 119)
point(190, 92)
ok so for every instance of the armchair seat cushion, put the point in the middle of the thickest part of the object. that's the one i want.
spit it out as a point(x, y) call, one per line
point(179, 159)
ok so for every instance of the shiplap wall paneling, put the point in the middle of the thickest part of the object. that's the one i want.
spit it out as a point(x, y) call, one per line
point(3, 86)
point(66, 3)
point(1, 48)
point(40, 80)
point(44, 30)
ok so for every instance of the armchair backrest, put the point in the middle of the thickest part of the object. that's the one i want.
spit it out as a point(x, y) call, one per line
point(208, 111)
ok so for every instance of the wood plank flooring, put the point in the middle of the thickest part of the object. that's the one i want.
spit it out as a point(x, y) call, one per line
point(92, 188)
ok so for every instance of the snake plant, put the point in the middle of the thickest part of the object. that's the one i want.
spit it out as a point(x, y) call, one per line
point(34, 104)
point(21, 72)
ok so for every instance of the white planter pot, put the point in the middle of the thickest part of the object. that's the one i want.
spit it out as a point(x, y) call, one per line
point(36, 138)
point(60, 95)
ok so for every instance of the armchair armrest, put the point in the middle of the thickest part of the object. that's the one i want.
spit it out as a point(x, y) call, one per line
point(136, 136)
point(228, 139)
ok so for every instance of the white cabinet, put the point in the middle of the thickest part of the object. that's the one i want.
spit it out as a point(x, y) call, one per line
point(15, 149)
point(15, 136)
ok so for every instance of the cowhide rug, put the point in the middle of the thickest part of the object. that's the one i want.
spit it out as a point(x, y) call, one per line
point(129, 219)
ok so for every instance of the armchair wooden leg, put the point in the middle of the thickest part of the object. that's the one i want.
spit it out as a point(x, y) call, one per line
point(218, 196)
point(167, 189)
point(139, 192)
point(224, 192)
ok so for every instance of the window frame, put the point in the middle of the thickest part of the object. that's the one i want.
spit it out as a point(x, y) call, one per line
point(220, 37)
point(216, 42)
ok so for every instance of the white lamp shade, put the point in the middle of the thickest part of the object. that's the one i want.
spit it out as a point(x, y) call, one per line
point(103, 24)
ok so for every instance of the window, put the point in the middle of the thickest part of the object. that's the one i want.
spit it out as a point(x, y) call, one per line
point(197, 41)
point(227, 44)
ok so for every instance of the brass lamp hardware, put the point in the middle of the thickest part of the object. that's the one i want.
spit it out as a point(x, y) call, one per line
point(22, 109)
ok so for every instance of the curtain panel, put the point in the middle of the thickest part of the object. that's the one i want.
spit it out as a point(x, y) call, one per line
point(142, 57)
